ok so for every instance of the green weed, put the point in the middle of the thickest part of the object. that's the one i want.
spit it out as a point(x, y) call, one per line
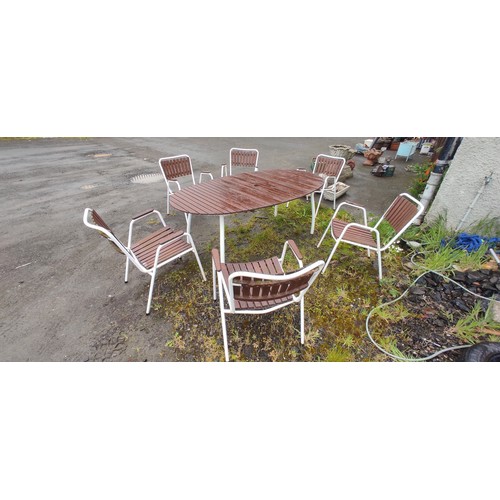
point(335, 307)
point(338, 355)
point(423, 171)
point(475, 324)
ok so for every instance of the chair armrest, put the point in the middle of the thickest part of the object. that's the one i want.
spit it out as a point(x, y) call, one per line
point(350, 203)
point(223, 170)
point(204, 172)
point(151, 210)
point(141, 216)
point(171, 182)
point(295, 250)
point(354, 205)
point(216, 259)
point(177, 235)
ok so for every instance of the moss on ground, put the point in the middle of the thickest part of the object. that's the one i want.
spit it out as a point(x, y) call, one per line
point(336, 305)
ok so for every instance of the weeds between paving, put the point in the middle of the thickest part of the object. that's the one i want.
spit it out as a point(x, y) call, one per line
point(336, 306)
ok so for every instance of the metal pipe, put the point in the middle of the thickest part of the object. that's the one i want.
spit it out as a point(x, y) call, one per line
point(447, 149)
point(487, 180)
point(430, 188)
point(495, 256)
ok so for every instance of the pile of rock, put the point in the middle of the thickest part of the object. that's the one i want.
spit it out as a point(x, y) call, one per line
point(485, 282)
point(436, 305)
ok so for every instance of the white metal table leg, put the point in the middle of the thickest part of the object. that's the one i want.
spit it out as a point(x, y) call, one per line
point(188, 223)
point(313, 213)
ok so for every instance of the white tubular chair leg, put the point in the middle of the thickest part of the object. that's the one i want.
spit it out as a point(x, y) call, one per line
point(379, 264)
point(199, 264)
point(126, 271)
point(335, 194)
point(330, 256)
point(129, 244)
point(223, 321)
point(324, 234)
point(319, 202)
point(276, 210)
point(150, 297)
point(153, 276)
point(302, 320)
point(214, 275)
point(170, 193)
point(224, 335)
point(205, 173)
point(190, 239)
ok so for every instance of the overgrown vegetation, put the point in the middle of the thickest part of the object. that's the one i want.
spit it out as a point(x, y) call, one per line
point(437, 251)
point(336, 306)
point(475, 324)
point(423, 171)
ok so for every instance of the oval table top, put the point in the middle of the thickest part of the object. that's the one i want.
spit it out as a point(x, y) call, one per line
point(245, 192)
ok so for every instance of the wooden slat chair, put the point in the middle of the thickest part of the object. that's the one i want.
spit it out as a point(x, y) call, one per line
point(404, 210)
point(329, 167)
point(149, 253)
point(174, 168)
point(239, 157)
point(261, 286)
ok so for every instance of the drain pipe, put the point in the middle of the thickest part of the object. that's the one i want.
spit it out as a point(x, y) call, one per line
point(433, 183)
point(447, 153)
point(487, 180)
point(493, 253)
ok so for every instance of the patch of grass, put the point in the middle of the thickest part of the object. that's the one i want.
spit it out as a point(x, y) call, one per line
point(473, 260)
point(336, 306)
point(431, 235)
point(392, 313)
point(423, 171)
point(437, 251)
point(338, 355)
point(471, 327)
point(488, 227)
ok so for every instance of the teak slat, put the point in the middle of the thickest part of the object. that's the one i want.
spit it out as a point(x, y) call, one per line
point(245, 192)
point(357, 235)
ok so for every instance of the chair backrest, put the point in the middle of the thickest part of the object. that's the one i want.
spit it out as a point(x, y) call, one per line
point(104, 230)
point(329, 165)
point(400, 215)
point(266, 290)
point(239, 157)
point(174, 167)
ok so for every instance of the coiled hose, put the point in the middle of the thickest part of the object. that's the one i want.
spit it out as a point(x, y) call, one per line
point(401, 358)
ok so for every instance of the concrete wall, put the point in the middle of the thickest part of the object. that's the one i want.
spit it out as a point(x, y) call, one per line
point(475, 159)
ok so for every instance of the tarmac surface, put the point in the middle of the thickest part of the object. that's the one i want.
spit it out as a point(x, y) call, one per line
point(63, 295)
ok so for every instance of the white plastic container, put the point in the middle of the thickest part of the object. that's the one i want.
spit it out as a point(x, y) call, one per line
point(426, 147)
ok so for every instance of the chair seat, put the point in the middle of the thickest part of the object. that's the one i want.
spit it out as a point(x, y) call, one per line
point(402, 212)
point(356, 235)
point(142, 253)
point(267, 266)
point(145, 249)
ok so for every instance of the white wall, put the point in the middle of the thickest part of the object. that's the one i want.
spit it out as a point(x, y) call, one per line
point(475, 159)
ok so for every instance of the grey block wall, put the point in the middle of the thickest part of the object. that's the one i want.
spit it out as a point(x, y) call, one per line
point(475, 159)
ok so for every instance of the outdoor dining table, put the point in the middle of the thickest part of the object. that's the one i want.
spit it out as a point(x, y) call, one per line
point(245, 192)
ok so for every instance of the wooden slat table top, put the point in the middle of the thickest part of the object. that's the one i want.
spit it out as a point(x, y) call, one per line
point(245, 192)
